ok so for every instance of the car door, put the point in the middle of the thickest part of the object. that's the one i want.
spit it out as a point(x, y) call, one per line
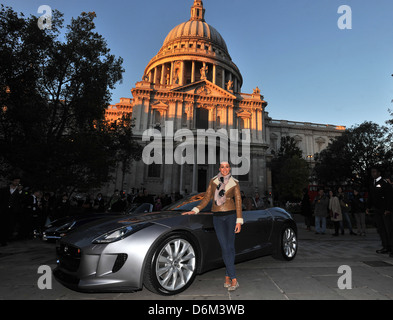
point(256, 230)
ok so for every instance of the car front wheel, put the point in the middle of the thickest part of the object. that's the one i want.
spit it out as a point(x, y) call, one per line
point(171, 266)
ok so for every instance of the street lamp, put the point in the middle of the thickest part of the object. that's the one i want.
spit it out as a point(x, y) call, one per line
point(310, 157)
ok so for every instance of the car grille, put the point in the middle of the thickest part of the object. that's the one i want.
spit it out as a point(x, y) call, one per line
point(69, 257)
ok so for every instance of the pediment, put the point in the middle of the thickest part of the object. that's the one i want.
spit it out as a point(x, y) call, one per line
point(205, 88)
point(243, 114)
point(160, 106)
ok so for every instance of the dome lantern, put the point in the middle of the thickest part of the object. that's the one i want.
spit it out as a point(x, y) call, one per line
point(198, 11)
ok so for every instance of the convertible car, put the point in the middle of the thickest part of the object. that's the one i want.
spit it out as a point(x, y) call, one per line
point(164, 251)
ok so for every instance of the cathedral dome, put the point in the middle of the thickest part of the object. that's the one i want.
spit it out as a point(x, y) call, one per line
point(196, 29)
point(190, 47)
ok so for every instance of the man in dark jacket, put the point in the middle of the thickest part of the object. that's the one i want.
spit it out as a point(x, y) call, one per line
point(10, 205)
point(33, 210)
point(380, 198)
point(321, 207)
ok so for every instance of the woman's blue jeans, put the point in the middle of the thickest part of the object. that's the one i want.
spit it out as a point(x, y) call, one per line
point(225, 230)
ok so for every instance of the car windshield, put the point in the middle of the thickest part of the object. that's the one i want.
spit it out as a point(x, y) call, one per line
point(140, 208)
point(188, 204)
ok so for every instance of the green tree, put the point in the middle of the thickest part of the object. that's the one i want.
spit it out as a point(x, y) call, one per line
point(290, 172)
point(55, 85)
point(348, 158)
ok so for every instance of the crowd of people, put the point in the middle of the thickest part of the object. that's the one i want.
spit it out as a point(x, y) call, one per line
point(338, 206)
point(24, 211)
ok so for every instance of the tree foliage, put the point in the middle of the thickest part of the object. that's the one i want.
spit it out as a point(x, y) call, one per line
point(348, 158)
point(55, 85)
point(290, 172)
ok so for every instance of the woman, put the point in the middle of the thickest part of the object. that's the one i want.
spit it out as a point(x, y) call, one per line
point(335, 212)
point(227, 217)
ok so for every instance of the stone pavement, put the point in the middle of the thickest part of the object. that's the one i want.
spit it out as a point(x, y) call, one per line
point(312, 275)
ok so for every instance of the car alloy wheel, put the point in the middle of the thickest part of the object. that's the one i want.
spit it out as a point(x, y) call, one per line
point(289, 243)
point(171, 265)
point(175, 264)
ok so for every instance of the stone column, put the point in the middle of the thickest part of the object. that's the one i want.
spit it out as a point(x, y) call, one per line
point(144, 114)
point(168, 176)
point(255, 123)
point(172, 112)
point(264, 131)
point(193, 72)
point(214, 74)
point(138, 110)
point(259, 126)
point(210, 170)
point(223, 78)
point(155, 75)
point(175, 177)
point(171, 77)
point(231, 119)
point(178, 115)
point(182, 71)
point(209, 118)
point(162, 81)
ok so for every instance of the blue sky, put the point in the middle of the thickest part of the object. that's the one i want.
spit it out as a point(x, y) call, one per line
point(307, 68)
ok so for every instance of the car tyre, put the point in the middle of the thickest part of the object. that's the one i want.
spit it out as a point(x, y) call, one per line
point(287, 244)
point(171, 265)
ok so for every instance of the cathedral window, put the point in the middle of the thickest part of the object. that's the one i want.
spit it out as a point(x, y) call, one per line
point(154, 171)
point(202, 118)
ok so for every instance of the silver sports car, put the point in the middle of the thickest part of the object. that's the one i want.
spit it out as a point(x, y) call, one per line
point(164, 251)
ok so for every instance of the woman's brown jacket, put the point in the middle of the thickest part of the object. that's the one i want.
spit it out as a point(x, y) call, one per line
point(233, 201)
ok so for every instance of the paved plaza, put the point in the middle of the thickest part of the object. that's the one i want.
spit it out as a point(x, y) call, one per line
point(312, 275)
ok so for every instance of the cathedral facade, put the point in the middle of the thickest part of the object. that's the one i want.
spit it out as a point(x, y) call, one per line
point(192, 83)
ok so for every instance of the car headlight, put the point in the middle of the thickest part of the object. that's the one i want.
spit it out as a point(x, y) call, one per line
point(114, 235)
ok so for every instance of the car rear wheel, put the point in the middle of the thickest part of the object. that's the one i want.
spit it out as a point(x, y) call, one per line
point(171, 266)
point(287, 244)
